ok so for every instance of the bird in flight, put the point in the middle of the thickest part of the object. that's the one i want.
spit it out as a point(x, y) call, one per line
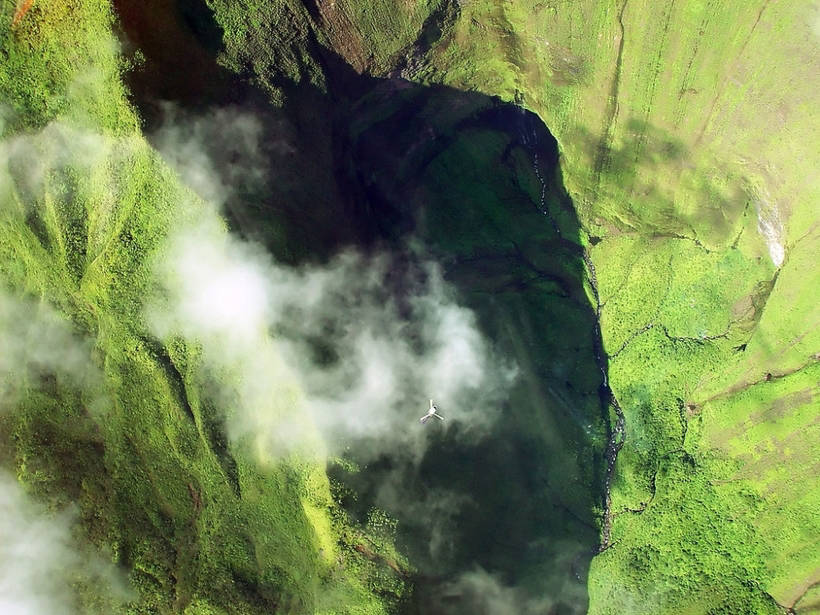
point(432, 412)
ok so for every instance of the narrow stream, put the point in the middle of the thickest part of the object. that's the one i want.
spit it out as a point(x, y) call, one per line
point(617, 433)
point(529, 139)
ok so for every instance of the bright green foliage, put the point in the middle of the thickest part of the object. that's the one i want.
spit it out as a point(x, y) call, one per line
point(197, 525)
point(43, 76)
point(688, 132)
point(675, 317)
point(659, 564)
point(771, 433)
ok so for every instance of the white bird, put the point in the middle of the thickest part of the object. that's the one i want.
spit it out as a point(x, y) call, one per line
point(431, 412)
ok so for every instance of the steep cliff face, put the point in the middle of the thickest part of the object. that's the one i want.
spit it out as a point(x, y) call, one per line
point(666, 317)
point(687, 134)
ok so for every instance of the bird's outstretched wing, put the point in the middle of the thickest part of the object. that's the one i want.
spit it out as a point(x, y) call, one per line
point(438, 416)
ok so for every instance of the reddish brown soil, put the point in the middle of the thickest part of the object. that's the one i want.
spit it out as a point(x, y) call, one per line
point(371, 555)
point(22, 8)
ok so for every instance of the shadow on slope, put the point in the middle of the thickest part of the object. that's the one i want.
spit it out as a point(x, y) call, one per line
point(474, 184)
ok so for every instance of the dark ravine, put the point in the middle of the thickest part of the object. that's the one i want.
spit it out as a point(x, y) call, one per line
point(423, 176)
point(399, 159)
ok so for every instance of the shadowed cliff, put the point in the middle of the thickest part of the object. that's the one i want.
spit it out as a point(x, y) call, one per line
point(472, 183)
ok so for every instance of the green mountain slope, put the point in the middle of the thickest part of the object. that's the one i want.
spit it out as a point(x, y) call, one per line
point(135, 442)
point(687, 133)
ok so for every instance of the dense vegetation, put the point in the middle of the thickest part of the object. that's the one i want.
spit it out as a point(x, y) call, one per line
point(134, 442)
point(687, 134)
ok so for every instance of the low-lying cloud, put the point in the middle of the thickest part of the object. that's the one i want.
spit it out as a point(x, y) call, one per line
point(328, 360)
point(37, 342)
point(27, 159)
point(43, 570)
point(312, 358)
point(212, 165)
point(482, 593)
point(350, 351)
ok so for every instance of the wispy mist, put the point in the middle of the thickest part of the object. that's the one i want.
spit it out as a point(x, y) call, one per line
point(43, 570)
point(27, 159)
point(771, 228)
point(216, 155)
point(435, 514)
point(37, 342)
point(351, 350)
point(313, 358)
point(481, 593)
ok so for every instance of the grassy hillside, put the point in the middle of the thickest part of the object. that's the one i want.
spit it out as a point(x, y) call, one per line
point(687, 132)
point(196, 524)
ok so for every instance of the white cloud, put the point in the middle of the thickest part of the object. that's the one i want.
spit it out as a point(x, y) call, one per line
point(41, 565)
point(771, 228)
point(482, 593)
point(350, 351)
point(36, 341)
point(27, 159)
point(214, 155)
